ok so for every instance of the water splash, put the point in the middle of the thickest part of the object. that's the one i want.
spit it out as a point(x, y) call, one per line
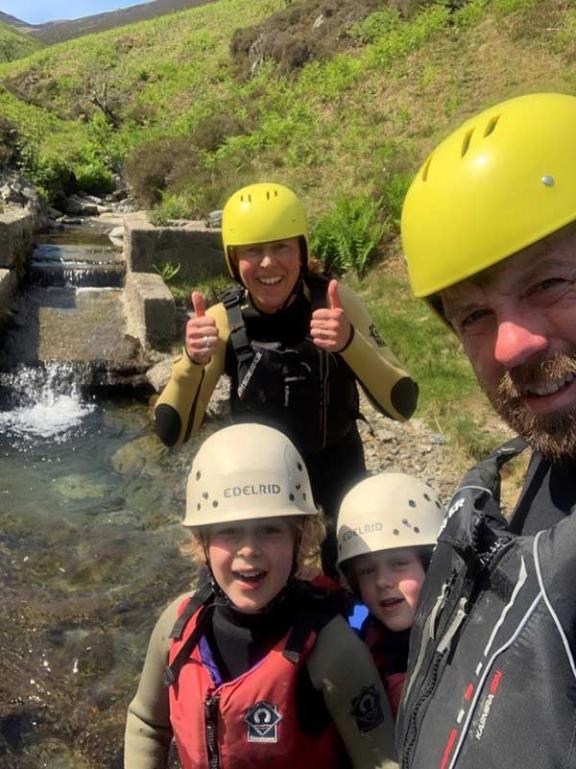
point(44, 402)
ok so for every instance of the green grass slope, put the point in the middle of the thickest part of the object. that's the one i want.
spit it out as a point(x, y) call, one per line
point(15, 44)
point(163, 101)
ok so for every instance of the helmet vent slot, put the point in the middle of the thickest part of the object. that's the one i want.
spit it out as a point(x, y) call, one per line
point(491, 126)
point(426, 169)
point(466, 142)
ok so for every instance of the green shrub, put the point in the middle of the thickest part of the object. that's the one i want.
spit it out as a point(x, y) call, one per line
point(50, 174)
point(149, 167)
point(172, 207)
point(349, 236)
point(376, 25)
point(94, 178)
point(8, 143)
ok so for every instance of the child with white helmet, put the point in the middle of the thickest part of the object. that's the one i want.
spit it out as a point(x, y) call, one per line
point(387, 527)
point(257, 668)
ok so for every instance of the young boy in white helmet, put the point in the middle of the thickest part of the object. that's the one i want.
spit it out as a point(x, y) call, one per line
point(258, 668)
point(387, 527)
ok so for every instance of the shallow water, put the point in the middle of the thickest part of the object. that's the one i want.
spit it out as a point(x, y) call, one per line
point(90, 510)
point(90, 532)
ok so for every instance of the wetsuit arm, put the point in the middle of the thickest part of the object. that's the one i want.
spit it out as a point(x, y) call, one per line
point(341, 666)
point(148, 731)
point(387, 384)
point(180, 409)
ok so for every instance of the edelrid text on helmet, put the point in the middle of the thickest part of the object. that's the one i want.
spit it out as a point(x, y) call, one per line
point(502, 181)
point(385, 512)
point(245, 472)
point(261, 213)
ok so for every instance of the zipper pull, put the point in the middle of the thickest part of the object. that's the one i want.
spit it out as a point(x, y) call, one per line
point(461, 613)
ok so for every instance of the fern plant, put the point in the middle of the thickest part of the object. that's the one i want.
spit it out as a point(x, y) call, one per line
point(348, 238)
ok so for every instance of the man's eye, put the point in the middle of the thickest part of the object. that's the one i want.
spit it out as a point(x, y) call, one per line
point(549, 290)
point(473, 320)
point(365, 571)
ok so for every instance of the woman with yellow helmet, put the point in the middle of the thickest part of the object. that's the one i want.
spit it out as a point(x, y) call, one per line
point(294, 344)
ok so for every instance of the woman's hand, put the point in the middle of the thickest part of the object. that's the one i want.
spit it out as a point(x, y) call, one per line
point(330, 329)
point(201, 332)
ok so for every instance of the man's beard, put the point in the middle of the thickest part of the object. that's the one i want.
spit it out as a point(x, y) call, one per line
point(553, 435)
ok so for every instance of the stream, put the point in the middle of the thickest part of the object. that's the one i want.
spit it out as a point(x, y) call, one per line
point(90, 537)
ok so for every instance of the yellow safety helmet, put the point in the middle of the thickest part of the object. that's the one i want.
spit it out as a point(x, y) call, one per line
point(502, 181)
point(262, 213)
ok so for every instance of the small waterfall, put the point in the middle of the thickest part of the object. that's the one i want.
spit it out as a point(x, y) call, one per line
point(70, 308)
point(43, 402)
point(62, 263)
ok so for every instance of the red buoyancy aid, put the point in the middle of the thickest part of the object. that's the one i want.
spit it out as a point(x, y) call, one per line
point(249, 722)
point(373, 634)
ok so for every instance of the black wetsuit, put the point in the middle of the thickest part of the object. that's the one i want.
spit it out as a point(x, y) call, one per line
point(549, 495)
point(492, 667)
point(322, 409)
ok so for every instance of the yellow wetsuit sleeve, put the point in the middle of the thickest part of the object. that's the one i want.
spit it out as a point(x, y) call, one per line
point(383, 378)
point(180, 409)
point(148, 730)
point(341, 667)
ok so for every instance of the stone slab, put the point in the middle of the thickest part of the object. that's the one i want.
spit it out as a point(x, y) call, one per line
point(196, 248)
point(64, 324)
point(150, 310)
point(16, 234)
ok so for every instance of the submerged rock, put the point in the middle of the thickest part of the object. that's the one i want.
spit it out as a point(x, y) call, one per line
point(79, 487)
point(138, 456)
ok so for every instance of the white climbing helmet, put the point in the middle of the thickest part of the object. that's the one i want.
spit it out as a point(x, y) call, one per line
point(388, 511)
point(245, 472)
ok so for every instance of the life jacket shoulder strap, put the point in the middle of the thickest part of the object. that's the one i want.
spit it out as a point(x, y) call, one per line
point(203, 598)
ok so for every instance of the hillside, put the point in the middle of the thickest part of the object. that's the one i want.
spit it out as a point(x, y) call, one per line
point(341, 101)
point(13, 43)
point(12, 21)
point(59, 31)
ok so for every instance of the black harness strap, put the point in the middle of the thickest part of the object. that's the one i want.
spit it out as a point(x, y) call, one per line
point(311, 620)
point(195, 602)
point(204, 597)
point(233, 301)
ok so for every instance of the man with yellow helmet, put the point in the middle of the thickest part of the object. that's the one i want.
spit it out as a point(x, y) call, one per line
point(294, 345)
point(489, 234)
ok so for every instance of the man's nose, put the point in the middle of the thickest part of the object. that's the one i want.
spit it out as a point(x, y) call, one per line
point(517, 343)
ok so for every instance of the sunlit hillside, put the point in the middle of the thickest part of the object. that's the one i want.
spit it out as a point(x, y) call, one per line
point(15, 44)
point(343, 106)
point(165, 96)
